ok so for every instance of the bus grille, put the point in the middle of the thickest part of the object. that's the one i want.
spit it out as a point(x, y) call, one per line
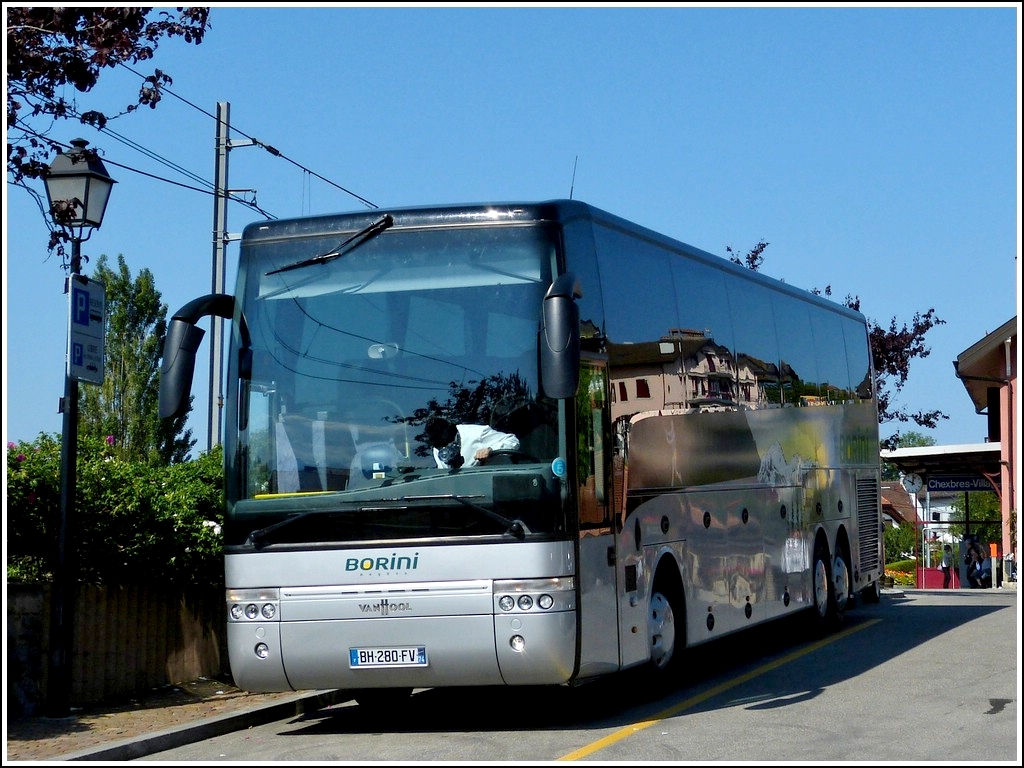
point(868, 522)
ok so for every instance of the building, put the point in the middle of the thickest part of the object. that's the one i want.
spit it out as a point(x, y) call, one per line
point(988, 370)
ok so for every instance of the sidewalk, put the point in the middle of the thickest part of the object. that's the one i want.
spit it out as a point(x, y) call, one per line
point(165, 718)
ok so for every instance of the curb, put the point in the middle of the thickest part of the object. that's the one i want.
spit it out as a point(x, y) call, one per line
point(140, 746)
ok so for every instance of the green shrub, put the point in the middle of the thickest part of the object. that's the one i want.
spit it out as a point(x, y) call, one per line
point(132, 522)
point(902, 566)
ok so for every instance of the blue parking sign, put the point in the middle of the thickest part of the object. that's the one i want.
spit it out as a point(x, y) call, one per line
point(86, 326)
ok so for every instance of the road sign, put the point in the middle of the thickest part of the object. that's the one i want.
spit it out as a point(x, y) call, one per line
point(87, 307)
point(958, 483)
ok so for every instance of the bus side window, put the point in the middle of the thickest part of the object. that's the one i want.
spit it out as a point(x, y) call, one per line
point(593, 458)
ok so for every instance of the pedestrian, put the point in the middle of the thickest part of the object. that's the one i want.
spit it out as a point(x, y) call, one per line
point(946, 565)
point(979, 572)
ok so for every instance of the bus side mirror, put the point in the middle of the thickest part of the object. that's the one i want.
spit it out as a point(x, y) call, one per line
point(177, 367)
point(560, 338)
point(179, 354)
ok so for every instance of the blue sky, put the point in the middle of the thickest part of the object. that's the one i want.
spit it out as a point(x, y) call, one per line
point(876, 149)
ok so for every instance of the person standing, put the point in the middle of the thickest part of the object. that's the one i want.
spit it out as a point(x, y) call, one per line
point(946, 565)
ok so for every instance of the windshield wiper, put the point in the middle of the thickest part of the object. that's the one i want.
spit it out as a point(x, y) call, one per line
point(356, 240)
point(516, 527)
point(258, 537)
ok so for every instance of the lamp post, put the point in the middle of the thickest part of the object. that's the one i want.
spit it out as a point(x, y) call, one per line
point(78, 187)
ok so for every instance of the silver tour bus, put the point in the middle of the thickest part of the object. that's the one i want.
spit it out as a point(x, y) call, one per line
point(524, 444)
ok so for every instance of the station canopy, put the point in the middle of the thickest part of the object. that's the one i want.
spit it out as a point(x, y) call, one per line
point(971, 467)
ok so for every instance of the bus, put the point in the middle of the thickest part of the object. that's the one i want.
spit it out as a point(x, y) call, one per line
point(696, 450)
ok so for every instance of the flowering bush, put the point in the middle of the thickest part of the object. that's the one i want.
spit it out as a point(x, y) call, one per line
point(902, 572)
point(902, 578)
point(131, 523)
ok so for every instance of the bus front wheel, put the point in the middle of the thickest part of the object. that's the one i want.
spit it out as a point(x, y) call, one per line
point(666, 636)
point(661, 626)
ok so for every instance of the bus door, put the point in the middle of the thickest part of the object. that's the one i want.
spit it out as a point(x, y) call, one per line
point(599, 648)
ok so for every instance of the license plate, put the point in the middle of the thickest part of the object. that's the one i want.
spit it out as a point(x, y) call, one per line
point(395, 656)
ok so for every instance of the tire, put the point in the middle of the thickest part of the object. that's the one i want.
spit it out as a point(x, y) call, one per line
point(872, 593)
point(841, 583)
point(824, 612)
point(666, 637)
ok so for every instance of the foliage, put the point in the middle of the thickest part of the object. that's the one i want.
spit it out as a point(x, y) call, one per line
point(986, 516)
point(469, 404)
point(903, 573)
point(900, 541)
point(902, 566)
point(907, 440)
point(892, 350)
point(132, 522)
point(50, 48)
point(126, 404)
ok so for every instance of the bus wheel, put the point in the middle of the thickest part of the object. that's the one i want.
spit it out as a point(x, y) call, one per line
point(661, 628)
point(822, 588)
point(841, 582)
point(381, 698)
point(665, 633)
point(872, 593)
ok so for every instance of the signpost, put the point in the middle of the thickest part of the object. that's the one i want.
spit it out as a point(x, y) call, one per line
point(87, 301)
point(962, 483)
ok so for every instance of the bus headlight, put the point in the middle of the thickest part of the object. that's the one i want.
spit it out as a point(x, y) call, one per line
point(522, 595)
point(253, 604)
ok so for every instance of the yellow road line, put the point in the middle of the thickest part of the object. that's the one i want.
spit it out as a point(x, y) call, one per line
point(693, 701)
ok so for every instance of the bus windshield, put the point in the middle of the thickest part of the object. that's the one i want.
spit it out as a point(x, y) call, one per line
point(394, 386)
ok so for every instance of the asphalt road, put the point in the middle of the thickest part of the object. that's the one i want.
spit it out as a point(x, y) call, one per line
point(922, 676)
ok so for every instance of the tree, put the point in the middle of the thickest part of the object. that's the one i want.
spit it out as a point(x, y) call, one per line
point(906, 440)
point(137, 523)
point(49, 48)
point(900, 541)
point(984, 514)
point(892, 350)
point(124, 408)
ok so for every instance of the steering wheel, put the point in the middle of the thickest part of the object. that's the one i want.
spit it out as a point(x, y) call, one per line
point(510, 456)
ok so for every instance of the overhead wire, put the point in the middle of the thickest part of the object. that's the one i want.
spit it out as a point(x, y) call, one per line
point(208, 187)
point(267, 147)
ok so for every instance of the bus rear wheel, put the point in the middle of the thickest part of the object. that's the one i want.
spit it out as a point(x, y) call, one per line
point(822, 590)
point(872, 593)
point(841, 591)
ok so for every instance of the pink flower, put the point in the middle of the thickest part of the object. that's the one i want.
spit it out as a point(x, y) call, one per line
point(11, 446)
point(20, 457)
point(110, 439)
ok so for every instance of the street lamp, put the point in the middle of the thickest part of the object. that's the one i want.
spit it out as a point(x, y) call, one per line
point(78, 187)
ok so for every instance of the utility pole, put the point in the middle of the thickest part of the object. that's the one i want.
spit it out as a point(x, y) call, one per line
point(220, 238)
